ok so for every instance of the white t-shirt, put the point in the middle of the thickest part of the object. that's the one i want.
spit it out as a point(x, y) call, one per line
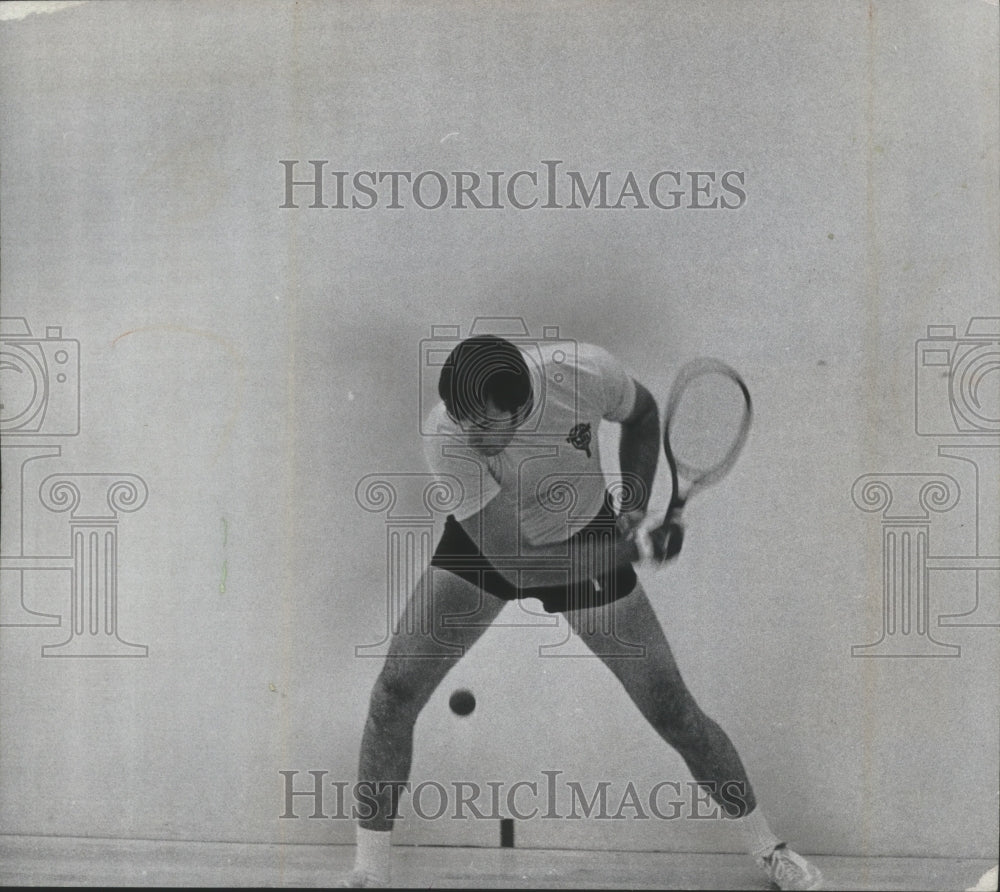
point(553, 464)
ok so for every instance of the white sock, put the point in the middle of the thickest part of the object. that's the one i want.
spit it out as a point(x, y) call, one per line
point(759, 839)
point(374, 854)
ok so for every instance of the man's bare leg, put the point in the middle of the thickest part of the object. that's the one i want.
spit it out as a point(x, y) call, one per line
point(444, 617)
point(655, 685)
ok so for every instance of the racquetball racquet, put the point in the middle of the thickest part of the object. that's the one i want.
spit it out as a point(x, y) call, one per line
point(706, 424)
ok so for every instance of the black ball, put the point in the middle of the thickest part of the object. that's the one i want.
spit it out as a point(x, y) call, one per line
point(462, 702)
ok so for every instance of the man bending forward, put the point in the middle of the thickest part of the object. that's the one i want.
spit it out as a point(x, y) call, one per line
point(518, 431)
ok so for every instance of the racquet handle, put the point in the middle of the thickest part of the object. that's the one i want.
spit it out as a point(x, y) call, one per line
point(666, 541)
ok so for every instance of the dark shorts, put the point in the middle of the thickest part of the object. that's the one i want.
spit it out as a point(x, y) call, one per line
point(458, 554)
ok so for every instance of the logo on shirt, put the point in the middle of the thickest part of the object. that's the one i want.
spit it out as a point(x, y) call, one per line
point(579, 437)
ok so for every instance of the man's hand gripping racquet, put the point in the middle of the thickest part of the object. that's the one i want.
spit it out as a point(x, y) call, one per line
point(706, 423)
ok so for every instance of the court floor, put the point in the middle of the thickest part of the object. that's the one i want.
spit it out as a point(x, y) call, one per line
point(41, 861)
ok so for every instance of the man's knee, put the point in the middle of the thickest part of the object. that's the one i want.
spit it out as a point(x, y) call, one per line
point(399, 692)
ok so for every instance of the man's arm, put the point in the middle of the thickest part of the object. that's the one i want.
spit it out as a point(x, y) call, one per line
point(638, 454)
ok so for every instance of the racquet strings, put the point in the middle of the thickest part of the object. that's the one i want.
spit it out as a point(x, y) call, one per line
point(708, 419)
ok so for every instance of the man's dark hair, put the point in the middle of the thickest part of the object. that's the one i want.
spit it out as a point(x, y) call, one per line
point(482, 368)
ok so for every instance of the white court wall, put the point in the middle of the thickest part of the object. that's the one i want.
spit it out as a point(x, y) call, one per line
point(252, 364)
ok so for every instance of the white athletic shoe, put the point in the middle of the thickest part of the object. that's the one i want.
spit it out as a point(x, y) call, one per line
point(358, 879)
point(987, 882)
point(788, 870)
